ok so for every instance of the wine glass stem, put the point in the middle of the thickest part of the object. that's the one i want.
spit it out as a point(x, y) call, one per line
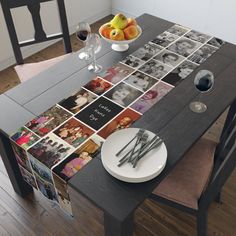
point(94, 60)
point(200, 97)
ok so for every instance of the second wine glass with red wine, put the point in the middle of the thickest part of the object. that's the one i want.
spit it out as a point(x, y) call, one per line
point(83, 31)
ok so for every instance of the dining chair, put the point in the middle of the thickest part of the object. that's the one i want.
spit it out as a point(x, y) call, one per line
point(198, 178)
point(27, 71)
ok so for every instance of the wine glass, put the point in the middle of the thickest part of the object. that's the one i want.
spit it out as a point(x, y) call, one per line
point(83, 31)
point(203, 82)
point(94, 45)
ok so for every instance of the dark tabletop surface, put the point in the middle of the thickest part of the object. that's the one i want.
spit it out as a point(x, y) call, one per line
point(170, 117)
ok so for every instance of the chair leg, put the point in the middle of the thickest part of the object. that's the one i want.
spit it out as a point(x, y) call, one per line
point(202, 223)
point(218, 198)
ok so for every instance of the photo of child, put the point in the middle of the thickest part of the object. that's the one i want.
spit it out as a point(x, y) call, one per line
point(48, 121)
point(122, 121)
point(24, 138)
point(176, 76)
point(98, 86)
point(50, 150)
point(123, 94)
point(132, 61)
point(141, 81)
point(165, 39)
point(197, 36)
point(77, 160)
point(116, 73)
point(202, 54)
point(169, 58)
point(73, 132)
point(151, 97)
point(184, 46)
point(21, 157)
point(147, 51)
point(78, 101)
point(155, 69)
point(178, 30)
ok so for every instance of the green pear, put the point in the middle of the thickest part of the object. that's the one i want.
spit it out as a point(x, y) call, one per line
point(119, 21)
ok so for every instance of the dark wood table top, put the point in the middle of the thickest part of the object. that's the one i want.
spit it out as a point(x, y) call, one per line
point(171, 117)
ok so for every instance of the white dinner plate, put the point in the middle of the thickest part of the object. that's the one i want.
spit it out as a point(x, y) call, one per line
point(150, 166)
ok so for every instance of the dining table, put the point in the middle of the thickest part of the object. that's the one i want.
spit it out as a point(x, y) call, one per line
point(170, 118)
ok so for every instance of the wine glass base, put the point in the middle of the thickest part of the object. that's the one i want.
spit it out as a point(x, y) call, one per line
point(84, 56)
point(197, 107)
point(120, 47)
point(95, 68)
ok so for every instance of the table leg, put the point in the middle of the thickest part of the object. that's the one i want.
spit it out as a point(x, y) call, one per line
point(20, 186)
point(114, 227)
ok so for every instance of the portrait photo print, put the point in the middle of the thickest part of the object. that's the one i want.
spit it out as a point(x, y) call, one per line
point(165, 39)
point(155, 69)
point(132, 61)
point(178, 30)
point(141, 81)
point(176, 76)
point(169, 58)
point(202, 54)
point(147, 51)
point(77, 101)
point(116, 73)
point(123, 94)
point(184, 46)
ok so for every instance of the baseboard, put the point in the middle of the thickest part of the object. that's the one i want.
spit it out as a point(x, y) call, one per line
point(38, 47)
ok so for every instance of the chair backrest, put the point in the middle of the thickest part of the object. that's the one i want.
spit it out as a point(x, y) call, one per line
point(40, 35)
point(225, 159)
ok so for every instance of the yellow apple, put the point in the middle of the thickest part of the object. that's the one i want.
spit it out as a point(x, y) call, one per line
point(106, 30)
point(131, 21)
point(119, 21)
point(117, 34)
point(131, 32)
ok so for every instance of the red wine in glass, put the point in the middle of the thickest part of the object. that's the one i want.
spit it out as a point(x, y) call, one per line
point(82, 35)
point(203, 82)
point(83, 31)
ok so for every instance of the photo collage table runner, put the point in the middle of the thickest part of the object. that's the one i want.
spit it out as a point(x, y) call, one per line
point(54, 146)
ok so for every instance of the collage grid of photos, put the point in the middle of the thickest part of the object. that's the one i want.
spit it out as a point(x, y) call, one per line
point(54, 146)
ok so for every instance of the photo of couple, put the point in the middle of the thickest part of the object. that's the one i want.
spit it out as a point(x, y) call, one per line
point(50, 150)
point(122, 121)
point(78, 101)
point(155, 69)
point(123, 94)
point(147, 51)
point(48, 120)
point(151, 97)
point(24, 138)
point(73, 132)
point(116, 73)
point(141, 81)
point(77, 160)
point(176, 76)
point(98, 86)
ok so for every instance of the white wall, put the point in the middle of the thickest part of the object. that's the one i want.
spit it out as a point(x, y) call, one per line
point(77, 10)
point(215, 17)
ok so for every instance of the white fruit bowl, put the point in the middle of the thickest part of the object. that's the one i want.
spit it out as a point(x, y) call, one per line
point(123, 45)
